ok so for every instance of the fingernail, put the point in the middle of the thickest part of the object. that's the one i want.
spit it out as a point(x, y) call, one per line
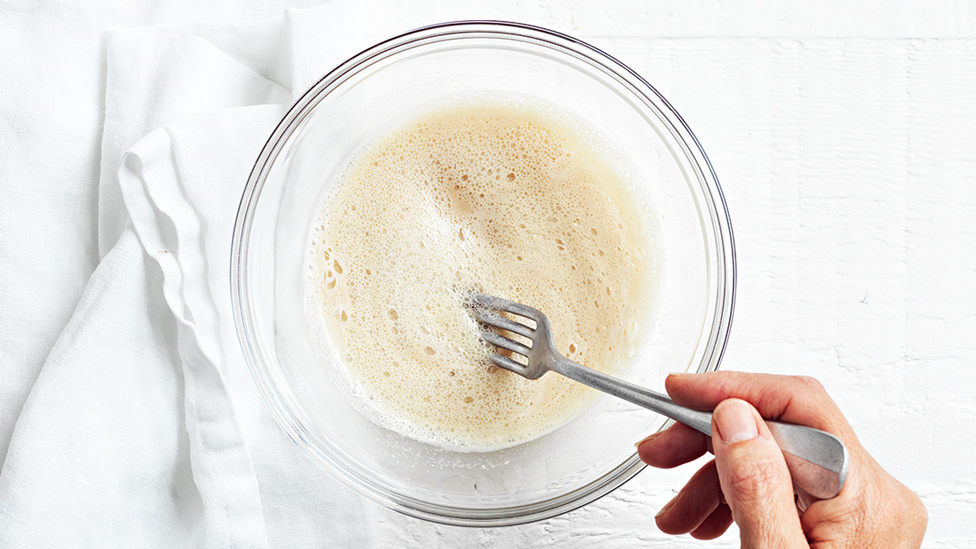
point(652, 436)
point(665, 509)
point(735, 421)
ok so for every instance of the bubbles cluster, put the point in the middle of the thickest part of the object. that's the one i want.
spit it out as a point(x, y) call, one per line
point(494, 196)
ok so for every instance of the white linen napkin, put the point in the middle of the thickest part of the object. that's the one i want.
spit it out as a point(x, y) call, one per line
point(143, 428)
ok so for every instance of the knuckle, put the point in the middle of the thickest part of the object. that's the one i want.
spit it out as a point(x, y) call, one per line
point(805, 389)
point(809, 384)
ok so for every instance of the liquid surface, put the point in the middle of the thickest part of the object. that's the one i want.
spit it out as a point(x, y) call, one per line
point(501, 196)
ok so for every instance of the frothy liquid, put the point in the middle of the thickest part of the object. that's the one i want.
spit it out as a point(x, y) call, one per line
point(499, 196)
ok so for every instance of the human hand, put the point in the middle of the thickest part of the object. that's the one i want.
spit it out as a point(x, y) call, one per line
point(748, 481)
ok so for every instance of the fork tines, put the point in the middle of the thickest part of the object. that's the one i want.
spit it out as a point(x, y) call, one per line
point(486, 310)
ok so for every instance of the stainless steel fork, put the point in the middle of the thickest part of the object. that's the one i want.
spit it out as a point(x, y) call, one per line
point(817, 460)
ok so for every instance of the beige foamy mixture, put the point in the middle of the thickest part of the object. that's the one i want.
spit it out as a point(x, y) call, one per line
point(499, 196)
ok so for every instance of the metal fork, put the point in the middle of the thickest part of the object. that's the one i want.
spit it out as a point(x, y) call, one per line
point(817, 460)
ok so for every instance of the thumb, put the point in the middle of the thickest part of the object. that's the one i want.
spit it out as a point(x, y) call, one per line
point(754, 478)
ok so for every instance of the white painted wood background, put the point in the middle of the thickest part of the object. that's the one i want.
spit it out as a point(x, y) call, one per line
point(843, 136)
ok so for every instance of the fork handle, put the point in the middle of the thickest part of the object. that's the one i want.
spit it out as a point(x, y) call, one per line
point(817, 460)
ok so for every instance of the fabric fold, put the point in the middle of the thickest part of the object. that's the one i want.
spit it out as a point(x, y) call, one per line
point(98, 456)
point(144, 428)
point(157, 75)
point(158, 192)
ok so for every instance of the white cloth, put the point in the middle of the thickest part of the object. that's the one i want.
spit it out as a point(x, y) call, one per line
point(143, 427)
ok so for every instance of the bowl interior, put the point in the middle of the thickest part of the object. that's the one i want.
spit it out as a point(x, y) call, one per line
point(374, 91)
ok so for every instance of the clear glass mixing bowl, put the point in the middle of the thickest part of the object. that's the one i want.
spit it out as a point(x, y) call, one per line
point(576, 463)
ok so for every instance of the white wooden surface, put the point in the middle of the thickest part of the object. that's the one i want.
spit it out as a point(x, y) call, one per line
point(843, 136)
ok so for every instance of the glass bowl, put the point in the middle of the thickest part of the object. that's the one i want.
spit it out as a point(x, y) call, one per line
point(574, 464)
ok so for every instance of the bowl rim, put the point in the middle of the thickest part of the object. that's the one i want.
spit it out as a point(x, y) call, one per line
point(724, 248)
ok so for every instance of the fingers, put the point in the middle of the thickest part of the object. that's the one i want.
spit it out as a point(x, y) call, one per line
point(754, 478)
point(674, 446)
point(792, 399)
point(715, 525)
point(693, 505)
point(698, 508)
point(749, 482)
